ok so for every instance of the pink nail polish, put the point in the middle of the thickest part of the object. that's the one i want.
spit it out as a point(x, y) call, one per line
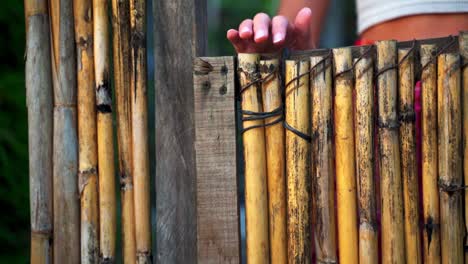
point(278, 37)
point(260, 34)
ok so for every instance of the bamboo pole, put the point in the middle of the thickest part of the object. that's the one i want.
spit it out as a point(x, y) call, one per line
point(344, 159)
point(393, 243)
point(122, 65)
point(274, 137)
point(323, 189)
point(105, 140)
point(450, 161)
point(256, 199)
point(364, 139)
point(298, 162)
point(409, 171)
point(87, 147)
point(140, 151)
point(65, 142)
point(463, 38)
point(430, 194)
point(40, 117)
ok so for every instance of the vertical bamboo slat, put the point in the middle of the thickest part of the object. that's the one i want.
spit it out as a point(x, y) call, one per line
point(393, 242)
point(408, 155)
point(323, 189)
point(140, 154)
point(450, 160)
point(107, 199)
point(274, 139)
point(364, 139)
point(430, 193)
point(122, 79)
point(87, 147)
point(344, 159)
point(256, 196)
point(65, 152)
point(40, 117)
point(298, 150)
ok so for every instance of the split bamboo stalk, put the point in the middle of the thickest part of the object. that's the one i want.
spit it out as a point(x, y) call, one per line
point(122, 64)
point(87, 147)
point(393, 242)
point(450, 160)
point(323, 187)
point(65, 142)
point(364, 139)
point(409, 171)
point(463, 38)
point(256, 196)
point(140, 153)
point(298, 153)
point(430, 194)
point(40, 127)
point(276, 178)
point(344, 159)
point(105, 139)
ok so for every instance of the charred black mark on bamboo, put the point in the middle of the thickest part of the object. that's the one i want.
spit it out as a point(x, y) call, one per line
point(407, 114)
point(126, 181)
point(104, 97)
point(84, 45)
point(430, 227)
point(106, 260)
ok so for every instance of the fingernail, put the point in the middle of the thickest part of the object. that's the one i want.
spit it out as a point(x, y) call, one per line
point(260, 34)
point(278, 37)
point(244, 31)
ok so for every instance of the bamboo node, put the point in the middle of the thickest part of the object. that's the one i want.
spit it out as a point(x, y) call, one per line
point(451, 188)
point(106, 260)
point(407, 116)
point(83, 178)
point(144, 257)
point(389, 124)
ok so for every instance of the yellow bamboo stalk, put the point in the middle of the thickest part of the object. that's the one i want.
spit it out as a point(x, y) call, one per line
point(463, 38)
point(122, 64)
point(430, 194)
point(65, 145)
point(274, 137)
point(40, 128)
point(344, 159)
point(450, 160)
point(140, 153)
point(87, 155)
point(256, 197)
point(107, 199)
point(323, 187)
point(364, 141)
point(298, 162)
point(408, 156)
point(392, 224)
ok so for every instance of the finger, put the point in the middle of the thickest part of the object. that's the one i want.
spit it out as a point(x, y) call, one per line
point(261, 26)
point(279, 29)
point(302, 23)
point(245, 29)
point(233, 36)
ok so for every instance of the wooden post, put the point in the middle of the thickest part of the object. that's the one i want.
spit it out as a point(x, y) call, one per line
point(450, 160)
point(430, 193)
point(65, 152)
point(40, 126)
point(105, 133)
point(409, 171)
point(218, 235)
point(276, 178)
point(364, 142)
point(393, 242)
point(122, 81)
point(298, 150)
point(344, 159)
point(323, 187)
point(176, 225)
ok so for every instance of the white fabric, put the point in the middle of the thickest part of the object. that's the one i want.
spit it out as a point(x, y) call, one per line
point(372, 12)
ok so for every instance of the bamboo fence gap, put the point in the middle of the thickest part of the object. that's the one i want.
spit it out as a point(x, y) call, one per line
point(105, 131)
point(65, 142)
point(344, 158)
point(297, 116)
point(430, 194)
point(256, 196)
point(39, 94)
point(364, 139)
point(450, 160)
point(274, 143)
point(323, 191)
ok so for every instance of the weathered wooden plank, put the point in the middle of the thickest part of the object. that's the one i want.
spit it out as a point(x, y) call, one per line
point(215, 147)
point(179, 27)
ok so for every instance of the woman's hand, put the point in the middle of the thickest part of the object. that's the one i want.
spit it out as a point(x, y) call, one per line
point(265, 35)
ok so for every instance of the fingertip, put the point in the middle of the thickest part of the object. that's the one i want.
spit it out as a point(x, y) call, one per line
point(232, 34)
point(306, 11)
point(245, 29)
